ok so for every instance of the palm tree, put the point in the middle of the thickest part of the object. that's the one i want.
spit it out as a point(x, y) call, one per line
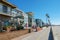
point(48, 19)
point(47, 16)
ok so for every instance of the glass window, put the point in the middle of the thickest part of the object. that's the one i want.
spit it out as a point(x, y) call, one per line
point(10, 9)
point(5, 9)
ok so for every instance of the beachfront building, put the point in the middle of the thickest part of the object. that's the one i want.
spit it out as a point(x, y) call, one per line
point(25, 21)
point(19, 18)
point(39, 23)
point(9, 14)
point(6, 10)
point(6, 13)
point(33, 22)
point(30, 17)
point(18, 15)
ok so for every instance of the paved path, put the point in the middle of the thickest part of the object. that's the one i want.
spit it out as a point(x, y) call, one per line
point(56, 32)
point(42, 35)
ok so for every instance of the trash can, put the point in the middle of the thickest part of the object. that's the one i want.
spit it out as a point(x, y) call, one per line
point(29, 30)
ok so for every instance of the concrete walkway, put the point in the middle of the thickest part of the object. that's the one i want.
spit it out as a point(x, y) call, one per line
point(41, 35)
point(56, 32)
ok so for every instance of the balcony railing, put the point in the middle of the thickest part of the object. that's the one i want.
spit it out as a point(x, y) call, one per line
point(8, 13)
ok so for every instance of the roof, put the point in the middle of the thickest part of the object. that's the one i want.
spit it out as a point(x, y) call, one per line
point(7, 3)
point(30, 13)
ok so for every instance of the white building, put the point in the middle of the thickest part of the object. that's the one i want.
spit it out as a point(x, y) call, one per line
point(33, 22)
point(6, 9)
point(19, 16)
point(25, 21)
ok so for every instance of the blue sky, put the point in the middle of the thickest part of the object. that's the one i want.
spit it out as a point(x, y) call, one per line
point(40, 8)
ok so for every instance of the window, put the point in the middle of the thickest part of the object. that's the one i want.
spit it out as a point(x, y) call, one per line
point(5, 9)
point(10, 9)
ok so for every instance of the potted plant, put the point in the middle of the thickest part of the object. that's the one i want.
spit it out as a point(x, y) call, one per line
point(8, 28)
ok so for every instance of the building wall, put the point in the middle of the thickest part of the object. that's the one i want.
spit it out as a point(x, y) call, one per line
point(25, 20)
point(14, 12)
point(4, 18)
point(33, 22)
point(39, 23)
point(0, 7)
point(30, 16)
point(9, 10)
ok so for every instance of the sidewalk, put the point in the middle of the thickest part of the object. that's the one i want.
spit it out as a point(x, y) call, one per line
point(56, 32)
point(35, 35)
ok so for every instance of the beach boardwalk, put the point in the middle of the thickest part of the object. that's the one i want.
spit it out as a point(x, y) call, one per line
point(40, 35)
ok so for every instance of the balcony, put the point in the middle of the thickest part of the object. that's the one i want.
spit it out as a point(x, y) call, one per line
point(6, 14)
point(10, 13)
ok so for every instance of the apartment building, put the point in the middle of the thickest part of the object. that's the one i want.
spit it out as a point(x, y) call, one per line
point(6, 10)
point(30, 18)
point(39, 23)
point(33, 22)
point(25, 21)
point(19, 17)
point(10, 13)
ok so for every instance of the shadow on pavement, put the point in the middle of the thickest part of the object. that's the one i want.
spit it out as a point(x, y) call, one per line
point(51, 35)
